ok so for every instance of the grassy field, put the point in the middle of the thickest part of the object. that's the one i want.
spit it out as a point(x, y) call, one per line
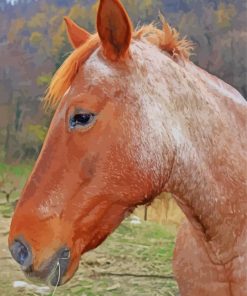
point(134, 260)
point(13, 176)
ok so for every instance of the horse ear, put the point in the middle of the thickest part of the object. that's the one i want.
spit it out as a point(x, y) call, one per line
point(114, 29)
point(77, 36)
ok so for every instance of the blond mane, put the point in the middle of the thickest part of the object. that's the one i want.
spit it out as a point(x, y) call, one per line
point(167, 39)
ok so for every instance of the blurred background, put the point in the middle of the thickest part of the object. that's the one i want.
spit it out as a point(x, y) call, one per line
point(136, 259)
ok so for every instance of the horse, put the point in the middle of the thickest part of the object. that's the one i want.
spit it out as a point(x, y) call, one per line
point(134, 117)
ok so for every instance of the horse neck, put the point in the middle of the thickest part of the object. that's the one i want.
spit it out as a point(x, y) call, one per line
point(208, 173)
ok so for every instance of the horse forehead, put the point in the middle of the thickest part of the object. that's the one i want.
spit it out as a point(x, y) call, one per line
point(145, 59)
point(139, 80)
point(97, 67)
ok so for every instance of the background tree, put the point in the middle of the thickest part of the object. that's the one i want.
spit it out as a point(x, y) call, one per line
point(33, 45)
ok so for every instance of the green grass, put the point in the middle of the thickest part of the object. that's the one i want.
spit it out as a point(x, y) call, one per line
point(19, 170)
point(6, 210)
point(13, 173)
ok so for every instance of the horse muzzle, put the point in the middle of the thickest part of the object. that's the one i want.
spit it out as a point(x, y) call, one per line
point(51, 271)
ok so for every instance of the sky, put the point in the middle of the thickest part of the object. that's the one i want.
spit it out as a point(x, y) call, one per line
point(11, 1)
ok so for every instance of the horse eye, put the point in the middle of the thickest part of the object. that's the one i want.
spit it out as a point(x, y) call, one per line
point(81, 119)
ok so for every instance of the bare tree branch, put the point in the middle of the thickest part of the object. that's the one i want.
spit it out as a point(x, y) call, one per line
point(170, 277)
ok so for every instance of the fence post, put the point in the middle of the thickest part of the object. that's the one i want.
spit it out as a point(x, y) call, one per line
point(145, 212)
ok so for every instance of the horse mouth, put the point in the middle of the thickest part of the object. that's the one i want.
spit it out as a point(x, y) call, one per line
point(52, 271)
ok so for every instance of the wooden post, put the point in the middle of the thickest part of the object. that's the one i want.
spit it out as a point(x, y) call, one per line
point(145, 212)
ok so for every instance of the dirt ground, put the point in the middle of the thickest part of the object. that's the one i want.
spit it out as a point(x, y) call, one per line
point(134, 261)
point(8, 269)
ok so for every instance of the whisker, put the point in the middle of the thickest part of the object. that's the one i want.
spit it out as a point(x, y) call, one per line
point(58, 280)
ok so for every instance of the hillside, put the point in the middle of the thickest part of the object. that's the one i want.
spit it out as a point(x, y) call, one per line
point(33, 45)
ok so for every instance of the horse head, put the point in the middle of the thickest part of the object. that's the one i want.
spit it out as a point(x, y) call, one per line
point(107, 150)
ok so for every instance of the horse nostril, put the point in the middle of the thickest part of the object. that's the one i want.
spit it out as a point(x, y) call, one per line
point(20, 253)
